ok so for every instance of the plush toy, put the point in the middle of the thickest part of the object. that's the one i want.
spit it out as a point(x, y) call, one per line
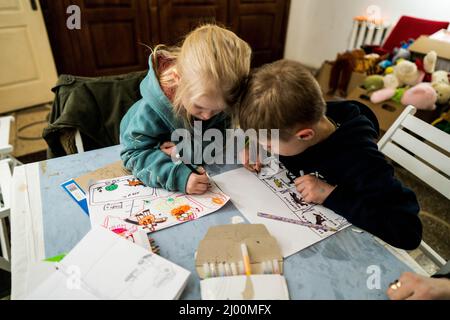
point(443, 122)
point(382, 95)
point(441, 85)
point(385, 64)
point(407, 73)
point(391, 81)
point(443, 92)
point(401, 53)
point(429, 61)
point(373, 82)
point(422, 96)
point(440, 76)
point(389, 70)
point(397, 97)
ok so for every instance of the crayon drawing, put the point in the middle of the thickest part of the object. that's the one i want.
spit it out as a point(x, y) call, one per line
point(126, 205)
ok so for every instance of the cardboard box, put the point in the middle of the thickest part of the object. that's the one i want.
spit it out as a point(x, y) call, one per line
point(424, 44)
point(385, 112)
point(323, 77)
point(388, 111)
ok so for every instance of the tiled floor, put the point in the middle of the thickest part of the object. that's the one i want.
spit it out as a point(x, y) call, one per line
point(26, 133)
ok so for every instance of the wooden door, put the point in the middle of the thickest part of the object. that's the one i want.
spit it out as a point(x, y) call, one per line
point(26, 63)
point(113, 31)
point(178, 17)
point(112, 39)
point(263, 24)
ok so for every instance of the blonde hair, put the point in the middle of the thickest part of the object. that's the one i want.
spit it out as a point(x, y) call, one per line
point(211, 60)
point(281, 95)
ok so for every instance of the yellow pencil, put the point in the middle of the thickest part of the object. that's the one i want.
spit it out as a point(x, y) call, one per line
point(246, 259)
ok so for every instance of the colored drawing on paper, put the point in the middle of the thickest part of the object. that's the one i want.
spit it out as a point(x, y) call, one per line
point(133, 205)
point(281, 182)
point(111, 187)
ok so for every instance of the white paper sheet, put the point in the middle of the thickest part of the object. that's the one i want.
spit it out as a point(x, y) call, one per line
point(106, 266)
point(125, 206)
point(254, 287)
point(272, 194)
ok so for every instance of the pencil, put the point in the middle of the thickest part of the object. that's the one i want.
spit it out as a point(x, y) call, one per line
point(302, 223)
point(246, 259)
point(187, 164)
point(192, 168)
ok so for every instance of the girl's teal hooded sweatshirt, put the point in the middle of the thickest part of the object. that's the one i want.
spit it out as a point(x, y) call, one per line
point(149, 123)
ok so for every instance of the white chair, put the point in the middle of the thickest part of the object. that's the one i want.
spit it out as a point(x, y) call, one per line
point(5, 147)
point(7, 162)
point(423, 150)
point(5, 188)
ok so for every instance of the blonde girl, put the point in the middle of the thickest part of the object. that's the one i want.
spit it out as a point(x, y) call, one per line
point(200, 81)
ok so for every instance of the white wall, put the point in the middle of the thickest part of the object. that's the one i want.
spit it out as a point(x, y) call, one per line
point(319, 29)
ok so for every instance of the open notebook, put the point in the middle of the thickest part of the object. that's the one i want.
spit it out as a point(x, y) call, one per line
point(105, 266)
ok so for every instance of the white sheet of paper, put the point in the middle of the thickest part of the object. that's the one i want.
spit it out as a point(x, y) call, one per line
point(106, 266)
point(254, 287)
point(251, 194)
point(124, 205)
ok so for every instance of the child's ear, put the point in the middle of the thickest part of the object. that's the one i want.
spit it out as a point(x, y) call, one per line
point(175, 75)
point(305, 134)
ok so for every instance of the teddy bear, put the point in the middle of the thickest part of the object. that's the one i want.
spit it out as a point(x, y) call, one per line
point(407, 73)
point(441, 85)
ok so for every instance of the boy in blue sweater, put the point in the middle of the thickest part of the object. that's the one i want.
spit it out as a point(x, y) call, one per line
point(334, 145)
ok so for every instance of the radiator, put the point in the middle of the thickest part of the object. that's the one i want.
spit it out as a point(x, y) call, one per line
point(367, 32)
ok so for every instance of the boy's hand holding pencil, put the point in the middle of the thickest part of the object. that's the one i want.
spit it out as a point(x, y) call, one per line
point(245, 158)
point(312, 189)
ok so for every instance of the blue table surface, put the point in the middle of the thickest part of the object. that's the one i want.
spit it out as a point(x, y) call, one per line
point(338, 267)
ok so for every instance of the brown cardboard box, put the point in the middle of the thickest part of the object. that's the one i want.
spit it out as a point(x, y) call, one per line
point(424, 44)
point(323, 77)
point(385, 112)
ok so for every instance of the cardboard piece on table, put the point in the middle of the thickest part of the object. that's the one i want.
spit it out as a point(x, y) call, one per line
point(113, 170)
point(222, 244)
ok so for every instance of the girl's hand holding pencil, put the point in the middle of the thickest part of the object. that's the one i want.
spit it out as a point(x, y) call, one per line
point(198, 182)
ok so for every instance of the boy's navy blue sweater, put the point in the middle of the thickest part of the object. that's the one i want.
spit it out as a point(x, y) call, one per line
point(367, 193)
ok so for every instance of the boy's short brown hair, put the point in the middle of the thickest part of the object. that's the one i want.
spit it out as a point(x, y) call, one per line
point(281, 95)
